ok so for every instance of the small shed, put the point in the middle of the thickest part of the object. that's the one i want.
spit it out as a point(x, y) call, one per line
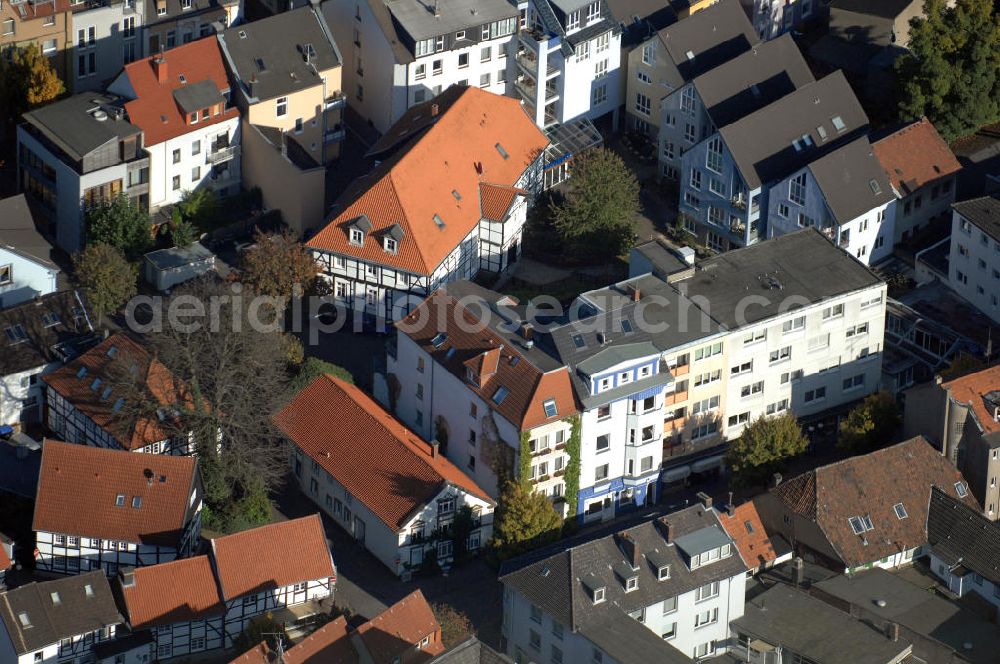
point(165, 268)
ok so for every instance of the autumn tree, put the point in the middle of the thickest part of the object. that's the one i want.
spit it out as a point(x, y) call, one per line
point(276, 263)
point(597, 216)
point(870, 424)
point(108, 279)
point(763, 446)
point(234, 360)
point(122, 224)
point(525, 519)
point(951, 70)
point(456, 628)
point(27, 81)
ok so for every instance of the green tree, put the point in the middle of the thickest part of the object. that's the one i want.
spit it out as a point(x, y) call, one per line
point(200, 208)
point(764, 444)
point(312, 368)
point(276, 263)
point(951, 72)
point(123, 225)
point(182, 231)
point(27, 81)
point(456, 627)
point(598, 213)
point(108, 279)
point(870, 424)
point(525, 519)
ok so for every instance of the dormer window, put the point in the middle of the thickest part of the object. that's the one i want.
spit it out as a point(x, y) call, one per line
point(597, 595)
point(663, 572)
point(471, 376)
point(390, 245)
point(631, 583)
point(357, 237)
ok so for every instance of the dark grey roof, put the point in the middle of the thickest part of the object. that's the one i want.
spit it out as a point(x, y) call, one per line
point(274, 52)
point(166, 259)
point(852, 180)
point(712, 36)
point(628, 641)
point(762, 142)
point(18, 233)
point(76, 613)
point(959, 534)
point(567, 6)
point(19, 468)
point(417, 17)
point(984, 212)
point(641, 19)
point(918, 610)
point(196, 96)
point(664, 256)
point(73, 124)
point(700, 541)
point(752, 80)
point(472, 651)
point(553, 580)
point(609, 356)
point(43, 345)
point(285, 143)
point(809, 627)
point(804, 265)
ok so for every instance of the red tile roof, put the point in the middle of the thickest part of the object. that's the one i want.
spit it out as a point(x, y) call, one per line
point(91, 478)
point(176, 591)
point(400, 627)
point(972, 388)
point(272, 556)
point(330, 644)
point(154, 109)
point(375, 457)
point(914, 156)
point(871, 485)
point(747, 530)
point(467, 339)
point(495, 200)
point(460, 150)
point(5, 561)
point(259, 654)
point(88, 396)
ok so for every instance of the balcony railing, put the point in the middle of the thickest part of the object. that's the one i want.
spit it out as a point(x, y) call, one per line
point(336, 100)
point(222, 154)
point(674, 424)
point(675, 397)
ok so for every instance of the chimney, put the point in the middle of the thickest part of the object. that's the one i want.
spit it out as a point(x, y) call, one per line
point(730, 508)
point(666, 529)
point(634, 293)
point(435, 109)
point(127, 576)
point(798, 572)
point(706, 500)
point(435, 449)
point(630, 549)
point(892, 631)
point(526, 331)
point(160, 68)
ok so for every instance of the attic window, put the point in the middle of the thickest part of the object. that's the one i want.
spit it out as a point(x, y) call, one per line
point(578, 341)
point(754, 90)
point(689, 55)
point(626, 326)
point(631, 583)
point(120, 500)
point(16, 334)
point(390, 245)
point(439, 339)
point(105, 394)
point(500, 395)
point(438, 221)
point(856, 525)
point(597, 595)
point(550, 407)
point(821, 130)
point(503, 153)
point(118, 405)
point(450, 353)
point(96, 384)
point(876, 189)
point(25, 620)
point(838, 123)
point(50, 319)
point(748, 526)
point(900, 510)
point(867, 520)
point(136, 502)
point(260, 64)
point(112, 351)
point(81, 372)
point(663, 572)
point(183, 79)
point(357, 236)
point(88, 590)
point(56, 599)
point(961, 490)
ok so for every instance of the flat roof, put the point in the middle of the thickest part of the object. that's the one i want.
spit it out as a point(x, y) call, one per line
point(166, 259)
point(419, 20)
point(75, 125)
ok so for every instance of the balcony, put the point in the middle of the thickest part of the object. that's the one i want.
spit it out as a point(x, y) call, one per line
point(675, 424)
point(526, 88)
point(334, 135)
point(675, 397)
point(222, 154)
point(680, 370)
point(738, 228)
point(335, 100)
point(739, 202)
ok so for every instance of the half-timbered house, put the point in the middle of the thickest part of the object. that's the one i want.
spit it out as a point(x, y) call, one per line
point(395, 493)
point(62, 622)
point(204, 602)
point(448, 198)
point(128, 510)
point(87, 400)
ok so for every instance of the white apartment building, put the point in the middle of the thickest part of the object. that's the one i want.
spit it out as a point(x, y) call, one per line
point(139, 510)
point(664, 591)
point(401, 53)
point(974, 261)
point(772, 18)
point(396, 494)
point(441, 207)
point(568, 61)
point(181, 99)
point(106, 37)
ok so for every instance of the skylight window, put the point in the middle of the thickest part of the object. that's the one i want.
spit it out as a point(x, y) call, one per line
point(550, 408)
point(56, 599)
point(754, 90)
point(81, 372)
point(500, 395)
point(260, 64)
point(96, 384)
point(136, 502)
point(450, 353)
point(748, 526)
point(16, 334)
point(857, 526)
point(867, 520)
point(578, 341)
point(961, 490)
point(876, 188)
point(88, 590)
point(50, 319)
point(120, 500)
point(838, 123)
point(25, 620)
point(503, 153)
point(690, 55)
point(458, 196)
point(438, 221)
point(183, 79)
point(243, 34)
point(900, 510)
point(439, 339)
point(105, 394)
point(112, 351)
point(118, 405)
point(821, 130)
